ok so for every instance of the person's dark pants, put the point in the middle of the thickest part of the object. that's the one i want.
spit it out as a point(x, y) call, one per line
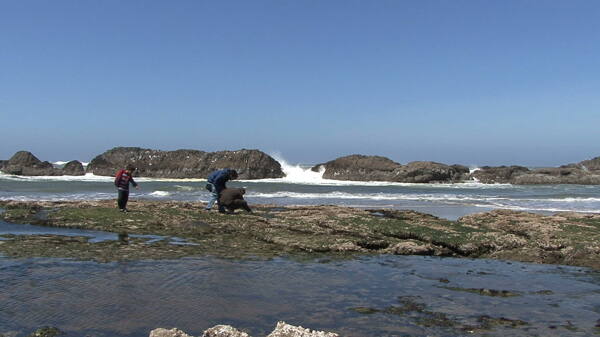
point(123, 198)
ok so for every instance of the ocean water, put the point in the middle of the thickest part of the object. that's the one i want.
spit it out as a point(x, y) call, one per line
point(351, 297)
point(129, 299)
point(301, 186)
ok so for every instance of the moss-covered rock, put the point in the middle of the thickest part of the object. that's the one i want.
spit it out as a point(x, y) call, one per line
point(566, 238)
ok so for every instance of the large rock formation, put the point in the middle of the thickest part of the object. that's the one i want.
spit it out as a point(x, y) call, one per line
point(73, 168)
point(375, 168)
point(25, 163)
point(250, 164)
point(586, 172)
point(498, 175)
point(281, 330)
point(590, 165)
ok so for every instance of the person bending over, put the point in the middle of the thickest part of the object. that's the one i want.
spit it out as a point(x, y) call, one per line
point(233, 198)
point(216, 183)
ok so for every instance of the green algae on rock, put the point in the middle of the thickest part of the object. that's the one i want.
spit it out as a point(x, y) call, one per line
point(564, 238)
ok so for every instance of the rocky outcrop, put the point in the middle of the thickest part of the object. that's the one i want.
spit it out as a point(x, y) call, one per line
point(561, 175)
point(73, 168)
point(590, 165)
point(498, 175)
point(427, 172)
point(519, 175)
point(376, 168)
point(281, 330)
point(250, 164)
point(25, 163)
point(359, 168)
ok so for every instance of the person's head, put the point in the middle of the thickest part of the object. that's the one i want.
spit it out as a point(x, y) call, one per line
point(233, 174)
point(130, 168)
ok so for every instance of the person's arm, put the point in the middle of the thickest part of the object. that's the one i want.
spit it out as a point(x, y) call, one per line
point(133, 182)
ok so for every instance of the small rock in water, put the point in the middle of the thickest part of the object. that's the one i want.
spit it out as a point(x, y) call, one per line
point(47, 331)
point(224, 331)
point(160, 332)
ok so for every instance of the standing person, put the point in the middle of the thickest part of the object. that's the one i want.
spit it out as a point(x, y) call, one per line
point(216, 183)
point(122, 181)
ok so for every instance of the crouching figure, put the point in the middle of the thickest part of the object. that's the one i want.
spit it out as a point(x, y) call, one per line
point(233, 198)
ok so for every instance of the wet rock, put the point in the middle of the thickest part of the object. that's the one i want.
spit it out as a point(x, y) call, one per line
point(486, 292)
point(224, 331)
point(250, 164)
point(285, 330)
point(428, 172)
point(564, 238)
point(561, 175)
point(590, 165)
point(25, 163)
point(497, 175)
point(376, 168)
point(410, 248)
point(586, 172)
point(486, 323)
point(73, 168)
point(281, 330)
point(160, 332)
point(47, 331)
point(358, 168)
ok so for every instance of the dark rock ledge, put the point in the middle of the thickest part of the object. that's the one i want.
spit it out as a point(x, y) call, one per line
point(376, 168)
point(250, 164)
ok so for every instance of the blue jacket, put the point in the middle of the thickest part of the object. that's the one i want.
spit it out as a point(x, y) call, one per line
point(219, 178)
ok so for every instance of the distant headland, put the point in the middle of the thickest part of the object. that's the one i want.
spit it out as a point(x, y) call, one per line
point(255, 164)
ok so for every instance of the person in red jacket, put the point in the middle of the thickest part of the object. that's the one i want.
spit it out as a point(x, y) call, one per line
point(122, 181)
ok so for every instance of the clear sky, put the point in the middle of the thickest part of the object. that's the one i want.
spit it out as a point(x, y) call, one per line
point(468, 82)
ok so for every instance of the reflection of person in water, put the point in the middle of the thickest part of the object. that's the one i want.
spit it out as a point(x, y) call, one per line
point(233, 198)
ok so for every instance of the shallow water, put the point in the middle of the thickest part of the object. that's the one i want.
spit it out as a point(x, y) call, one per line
point(193, 294)
point(92, 235)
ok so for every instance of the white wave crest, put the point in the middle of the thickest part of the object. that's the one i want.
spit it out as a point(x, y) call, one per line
point(185, 188)
point(160, 194)
point(372, 196)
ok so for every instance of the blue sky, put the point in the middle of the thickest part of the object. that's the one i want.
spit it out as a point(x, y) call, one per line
point(469, 82)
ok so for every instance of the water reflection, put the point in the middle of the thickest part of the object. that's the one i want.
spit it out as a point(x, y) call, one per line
point(94, 236)
point(193, 294)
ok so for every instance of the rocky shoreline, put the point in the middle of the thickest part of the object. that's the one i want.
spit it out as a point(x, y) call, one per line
point(282, 329)
point(255, 164)
point(299, 232)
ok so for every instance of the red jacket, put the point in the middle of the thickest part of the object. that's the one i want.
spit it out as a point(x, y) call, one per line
point(123, 179)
